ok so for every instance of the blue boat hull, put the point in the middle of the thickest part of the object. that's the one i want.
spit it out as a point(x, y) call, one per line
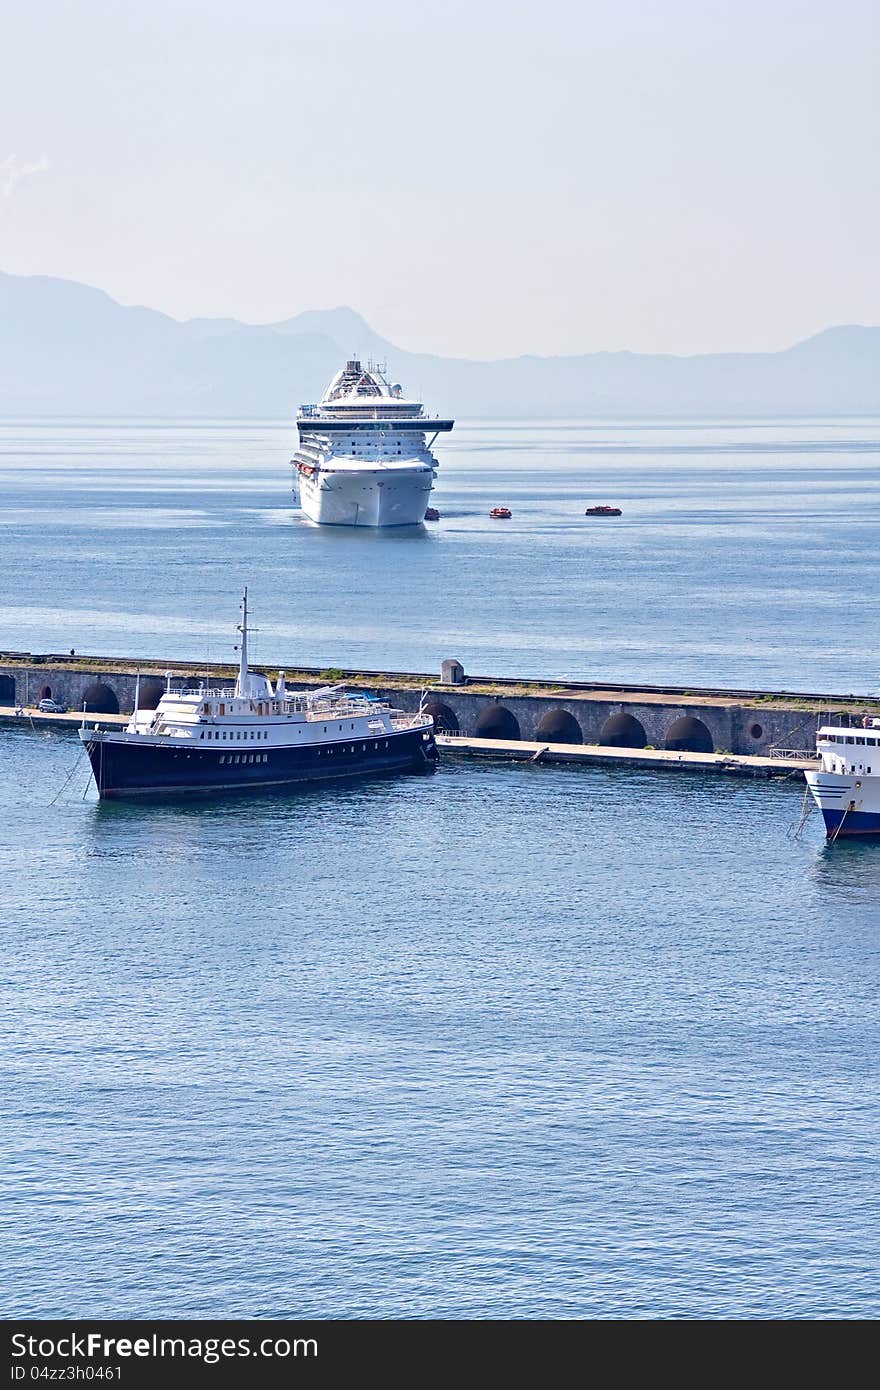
point(841, 824)
point(136, 768)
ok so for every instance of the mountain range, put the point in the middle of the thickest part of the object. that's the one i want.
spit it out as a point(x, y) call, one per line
point(67, 349)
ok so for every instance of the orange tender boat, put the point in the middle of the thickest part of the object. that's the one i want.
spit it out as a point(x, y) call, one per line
point(501, 513)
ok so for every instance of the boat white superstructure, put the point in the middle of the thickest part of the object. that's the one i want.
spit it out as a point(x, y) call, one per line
point(846, 788)
point(364, 456)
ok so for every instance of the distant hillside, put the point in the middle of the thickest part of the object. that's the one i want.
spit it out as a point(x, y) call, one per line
point(68, 349)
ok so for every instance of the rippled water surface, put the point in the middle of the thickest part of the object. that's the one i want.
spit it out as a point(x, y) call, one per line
point(746, 555)
point(507, 1041)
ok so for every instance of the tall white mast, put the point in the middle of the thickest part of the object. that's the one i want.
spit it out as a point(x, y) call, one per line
point(242, 687)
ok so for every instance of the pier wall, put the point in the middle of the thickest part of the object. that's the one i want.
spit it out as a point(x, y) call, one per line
point(25, 685)
point(730, 728)
point(632, 719)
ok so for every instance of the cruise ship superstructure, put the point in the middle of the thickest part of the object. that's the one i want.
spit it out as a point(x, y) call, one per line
point(364, 456)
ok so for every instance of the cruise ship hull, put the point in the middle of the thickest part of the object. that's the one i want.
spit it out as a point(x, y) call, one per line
point(366, 497)
point(134, 766)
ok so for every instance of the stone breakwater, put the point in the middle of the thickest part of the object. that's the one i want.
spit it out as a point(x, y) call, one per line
point(699, 721)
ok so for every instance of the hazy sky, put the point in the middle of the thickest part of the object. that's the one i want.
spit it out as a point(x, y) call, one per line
point(479, 179)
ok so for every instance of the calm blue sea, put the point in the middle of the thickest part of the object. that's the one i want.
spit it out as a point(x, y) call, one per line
point(746, 555)
point(509, 1041)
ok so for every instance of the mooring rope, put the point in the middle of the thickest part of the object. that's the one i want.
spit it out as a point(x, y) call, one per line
point(63, 788)
point(840, 823)
point(807, 809)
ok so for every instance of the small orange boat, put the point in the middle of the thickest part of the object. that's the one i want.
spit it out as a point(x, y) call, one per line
point(501, 513)
point(603, 511)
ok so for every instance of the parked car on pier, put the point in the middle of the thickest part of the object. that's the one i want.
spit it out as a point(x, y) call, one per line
point(51, 707)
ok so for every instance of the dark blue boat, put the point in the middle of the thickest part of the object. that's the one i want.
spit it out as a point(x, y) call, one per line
point(255, 737)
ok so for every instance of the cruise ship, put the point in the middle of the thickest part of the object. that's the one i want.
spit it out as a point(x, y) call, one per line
point(846, 788)
point(253, 737)
point(364, 456)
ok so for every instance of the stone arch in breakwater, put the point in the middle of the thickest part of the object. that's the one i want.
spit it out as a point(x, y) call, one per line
point(741, 722)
